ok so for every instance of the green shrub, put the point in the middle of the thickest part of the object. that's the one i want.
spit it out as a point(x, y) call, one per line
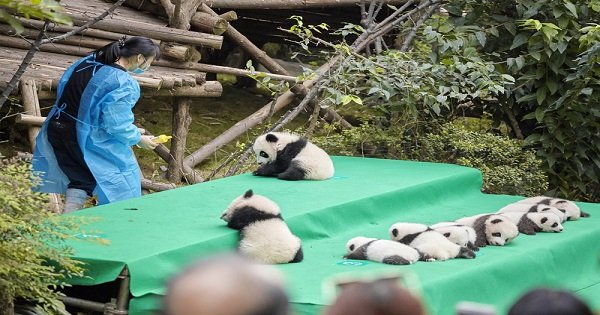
point(507, 168)
point(34, 259)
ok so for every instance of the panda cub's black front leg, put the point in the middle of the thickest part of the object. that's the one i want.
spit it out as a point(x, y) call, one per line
point(267, 169)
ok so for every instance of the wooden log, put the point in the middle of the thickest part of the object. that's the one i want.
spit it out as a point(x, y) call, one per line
point(255, 52)
point(175, 51)
point(208, 89)
point(16, 42)
point(27, 119)
point(31, 105)
point(64, 29)
point(287, 4)
point(229, 16)
point(181, 124)
point(209, 23)
point(156, 32)
point(157, 186)
point(221, 69)
point(84, 41)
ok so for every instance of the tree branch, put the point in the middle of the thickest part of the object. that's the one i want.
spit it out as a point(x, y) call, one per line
point(413, 31)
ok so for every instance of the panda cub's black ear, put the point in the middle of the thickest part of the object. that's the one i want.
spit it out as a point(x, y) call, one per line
point(352, 247)
point(271, 137)
point(248, 194)
point(395, 232)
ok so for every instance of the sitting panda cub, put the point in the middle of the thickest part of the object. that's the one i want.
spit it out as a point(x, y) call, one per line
point(383, 251)
point(290, 157)
point(264, 235)
point(431, 244)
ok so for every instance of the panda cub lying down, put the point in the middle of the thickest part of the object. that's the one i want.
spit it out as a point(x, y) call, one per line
point(287, 156)
point(264, 236)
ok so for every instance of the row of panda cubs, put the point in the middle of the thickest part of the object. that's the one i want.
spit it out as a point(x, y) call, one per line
point(264, 235)
point(411, 242)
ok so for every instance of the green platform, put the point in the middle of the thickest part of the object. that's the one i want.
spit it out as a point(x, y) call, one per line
point(158, 234)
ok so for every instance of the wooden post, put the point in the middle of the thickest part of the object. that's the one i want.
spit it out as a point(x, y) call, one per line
point(31, 105)
point(181, 125)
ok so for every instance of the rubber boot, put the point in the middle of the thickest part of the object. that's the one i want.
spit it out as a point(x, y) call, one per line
point(74, 199)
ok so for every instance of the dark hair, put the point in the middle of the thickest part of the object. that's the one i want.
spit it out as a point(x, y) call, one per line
point(126, 48)
point(380, 297)
point(549, 302)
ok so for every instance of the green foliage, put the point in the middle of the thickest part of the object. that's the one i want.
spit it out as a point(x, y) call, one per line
point(34, 259)
point(548, 46)
point(506, 167)
point(50, 10)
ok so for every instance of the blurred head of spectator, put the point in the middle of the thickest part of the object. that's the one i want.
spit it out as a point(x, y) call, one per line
point(378, 297)
point(226, 285)
point(549, 302)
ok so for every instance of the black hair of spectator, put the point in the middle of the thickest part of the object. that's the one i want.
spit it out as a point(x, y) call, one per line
point(544, 301)
point(131, 46)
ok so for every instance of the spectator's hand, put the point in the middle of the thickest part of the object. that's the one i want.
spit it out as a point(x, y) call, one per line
point(147, 143)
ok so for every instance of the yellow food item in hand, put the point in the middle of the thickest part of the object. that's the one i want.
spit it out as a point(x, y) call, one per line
point(162, 138)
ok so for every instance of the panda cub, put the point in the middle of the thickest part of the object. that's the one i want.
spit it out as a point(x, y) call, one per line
point(492, 229)
point(431, 244)
point(570, 208)
point(531, 222)
point(458, 234)
point(264, 235)
point(383, 251)
point(290, 157)
point(524, 207)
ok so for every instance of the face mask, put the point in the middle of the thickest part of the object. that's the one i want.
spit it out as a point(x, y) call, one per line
point(139, 70)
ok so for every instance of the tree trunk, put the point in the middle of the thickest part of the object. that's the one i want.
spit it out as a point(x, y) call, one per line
point(181, 125)
point(208, 23)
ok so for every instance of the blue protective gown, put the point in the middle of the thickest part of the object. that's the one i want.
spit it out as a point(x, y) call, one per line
point(105, 133)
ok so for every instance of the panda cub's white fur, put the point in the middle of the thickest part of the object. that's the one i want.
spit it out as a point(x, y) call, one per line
point(532, 222)
point(492, 229)
point(457, 233)
point(431, 244)
point(290, 157)
point(525, 207)
point(264, 236)
point(572, 211)
point(383, 251)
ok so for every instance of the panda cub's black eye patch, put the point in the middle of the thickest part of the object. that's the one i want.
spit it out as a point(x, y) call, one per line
point(496, 234)
point(264, 154)
point(555, 224)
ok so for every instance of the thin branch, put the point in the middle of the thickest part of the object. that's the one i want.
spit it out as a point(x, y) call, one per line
point(514, 123)
point(413, 32)
point(314, 117)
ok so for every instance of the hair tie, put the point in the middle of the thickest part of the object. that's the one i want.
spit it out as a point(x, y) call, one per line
point(122, 42)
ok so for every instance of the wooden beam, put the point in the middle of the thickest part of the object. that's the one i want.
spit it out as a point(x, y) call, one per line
point(287, 4)
point(31, 105)
point(208, 89)
point(155, 31)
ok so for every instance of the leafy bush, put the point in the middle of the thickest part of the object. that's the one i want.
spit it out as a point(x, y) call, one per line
point(506, 167)
point(34, 259)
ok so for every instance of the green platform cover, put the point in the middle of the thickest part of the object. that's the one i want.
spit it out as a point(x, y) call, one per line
point(158, 234)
